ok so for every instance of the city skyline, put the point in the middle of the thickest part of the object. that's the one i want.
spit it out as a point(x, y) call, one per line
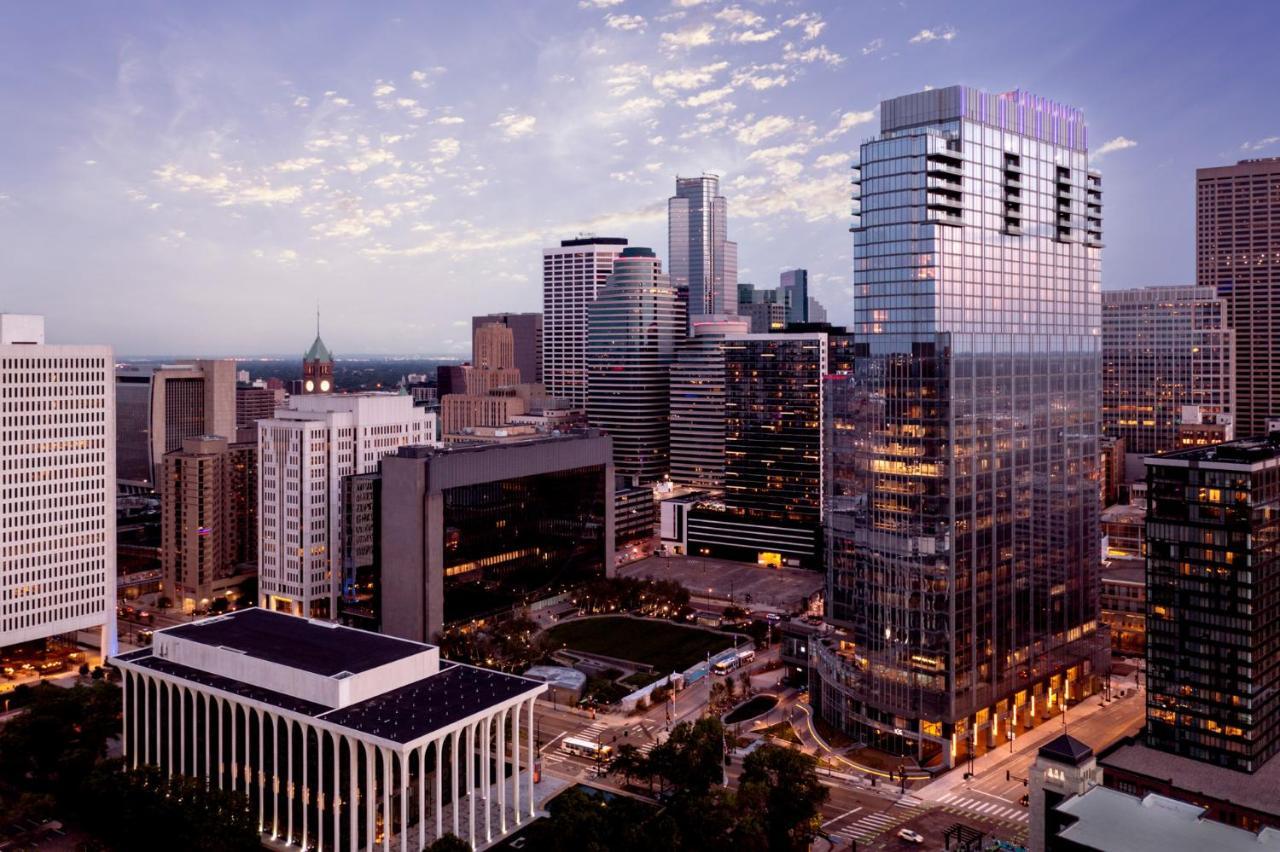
point(243, 178)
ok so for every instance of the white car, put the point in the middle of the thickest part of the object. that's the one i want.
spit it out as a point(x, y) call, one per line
point(910, 836)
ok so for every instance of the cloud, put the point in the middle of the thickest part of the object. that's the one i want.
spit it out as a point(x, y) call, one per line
point(445, 149)
point(688, 4)
point(1117, 144)
point(826, 161)
point(754, 36)
point(597, 4)
point(850, 120)
point(382, 90)
point(872, 46)
point(287, 257)
point(771, 125)
point(810, 23)
point(779, 152)
point(298, 164)
point(226, 191)
point(710, 96)
point(630, 109)
point(925, 36)
point(301, 101)
point(1259, 144)
point(689, 37)
point(450, 119)
point(514, 125)
point(817, 53)
point(688, 78)
point(625, 22)
point(736, 16)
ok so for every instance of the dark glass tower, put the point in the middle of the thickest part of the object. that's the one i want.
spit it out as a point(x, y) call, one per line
point(1213, 603)
point(963, 535)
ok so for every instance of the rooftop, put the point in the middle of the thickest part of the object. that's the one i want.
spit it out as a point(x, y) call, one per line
point(1066, 749)
point(1115, 821)
point(318, 351)
point(318, 647)
point(1246, 451)
point(1256, 791)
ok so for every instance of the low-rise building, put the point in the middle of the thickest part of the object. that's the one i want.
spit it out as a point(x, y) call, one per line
point(338, 738)
point(1124, 526)
point(1122, 603)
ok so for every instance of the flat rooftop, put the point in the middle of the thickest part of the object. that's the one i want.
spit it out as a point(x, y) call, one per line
point(1246, 451)
point(317, 647)
point(1115, 821)
point(1256, 791)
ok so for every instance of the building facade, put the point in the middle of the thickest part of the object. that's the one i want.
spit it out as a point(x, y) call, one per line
point(338, 738)
point(700, 257)
point(1237, 231)
point(963, 540)
point(469, 531)
point(57, 487)
point(208, 520)
point(157, 408)
point(1163, 348)
point(526, 330)
point(793, 286)
point(1213, 603)
point(632, 330)
point(697, 403)
point(317, 367)
point(572, 275)
point(304, 454)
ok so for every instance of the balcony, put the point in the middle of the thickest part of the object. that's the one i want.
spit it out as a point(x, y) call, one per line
point(942, 167)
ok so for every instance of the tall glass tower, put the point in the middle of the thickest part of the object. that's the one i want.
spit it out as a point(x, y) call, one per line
point(963, 529)
point(700, 255)
point(632, 329)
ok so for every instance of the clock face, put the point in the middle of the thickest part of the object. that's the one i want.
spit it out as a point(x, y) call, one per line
point(324, 385)
point(310, 386)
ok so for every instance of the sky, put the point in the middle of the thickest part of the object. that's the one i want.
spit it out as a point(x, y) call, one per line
point(196, 178)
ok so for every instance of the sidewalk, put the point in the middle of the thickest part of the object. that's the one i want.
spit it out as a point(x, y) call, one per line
point(1032, 739)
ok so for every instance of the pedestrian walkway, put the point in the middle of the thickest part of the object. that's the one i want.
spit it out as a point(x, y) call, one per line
point(869, 827)
point(955, 803)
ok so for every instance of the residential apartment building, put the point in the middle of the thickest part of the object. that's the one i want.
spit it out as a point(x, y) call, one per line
point(698, 403)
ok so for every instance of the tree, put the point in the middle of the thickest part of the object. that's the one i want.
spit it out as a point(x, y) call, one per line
point(780, 785)
point(52, 747)
point(450, 842)
point(692, 758)
point(629, 763)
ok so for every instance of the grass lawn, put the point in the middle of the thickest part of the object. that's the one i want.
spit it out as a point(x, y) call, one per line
point(665, 646)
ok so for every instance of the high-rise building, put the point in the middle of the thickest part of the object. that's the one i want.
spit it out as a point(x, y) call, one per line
point(773, 470)
point(1213, 603)
point(572, 274)
point(632, 330)
point(304, 454)
point(817, 313)
point(157, 408)
point(469, 531)
point(793, 286)
point(493, 360)
point(208, 520)
point(1163, 348)
point(527, 331)
point(57, 486)
point(1237, 237)
point(700, 257)
point(963, 540)
point(697, 403)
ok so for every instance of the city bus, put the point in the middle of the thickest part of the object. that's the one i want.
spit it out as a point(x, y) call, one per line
point(587, 748)
point(723, 667)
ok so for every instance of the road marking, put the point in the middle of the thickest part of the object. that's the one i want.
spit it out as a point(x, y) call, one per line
point(552, 740)
point(842, 816)
point(948, 797)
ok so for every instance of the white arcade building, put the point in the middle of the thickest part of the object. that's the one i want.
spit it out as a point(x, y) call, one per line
point(340, 738)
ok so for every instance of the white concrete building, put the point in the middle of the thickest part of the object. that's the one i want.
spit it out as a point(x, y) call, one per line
point(339, 738)
point(572, 274)
point(304, 452)
point(57, 486)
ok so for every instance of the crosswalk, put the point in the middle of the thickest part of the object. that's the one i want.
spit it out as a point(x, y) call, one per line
point(984, 808)
point(870, 826)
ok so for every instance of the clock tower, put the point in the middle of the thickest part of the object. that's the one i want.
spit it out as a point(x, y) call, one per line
point(317, 366)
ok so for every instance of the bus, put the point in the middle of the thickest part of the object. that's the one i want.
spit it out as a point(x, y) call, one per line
point(746, 656)
point(587, 748)
point(742, 658)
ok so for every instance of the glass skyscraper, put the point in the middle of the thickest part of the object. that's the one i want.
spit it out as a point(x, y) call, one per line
point(632, 329)
point(963, 523)
point(700, 256)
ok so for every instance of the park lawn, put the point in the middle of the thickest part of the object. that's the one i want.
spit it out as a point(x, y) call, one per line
point(665, 646)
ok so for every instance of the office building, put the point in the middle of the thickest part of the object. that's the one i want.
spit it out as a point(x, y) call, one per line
point(337, 738)
point(700, 257)
point(632, 330)
point(1122, 603)
point(773, 471)
point(793, 287)
point(1111, 459)
point(816, 312)
point(572, 275)
point(697, 403)
point(635, 519)
point(526, 330)
point(208, 521)
point(972, 473)
point(57, 487)
point(1202, 430)
point(158, 407)
point(255, 402)
point(1124, 528)
point(1237, 227)
point(468, 531)
point(1163, 349)
point(451, 378)
point(764, 317)
point(1213, 603)
point(304, 453)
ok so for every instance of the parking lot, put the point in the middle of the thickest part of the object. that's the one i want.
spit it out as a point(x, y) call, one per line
point(752, 586)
